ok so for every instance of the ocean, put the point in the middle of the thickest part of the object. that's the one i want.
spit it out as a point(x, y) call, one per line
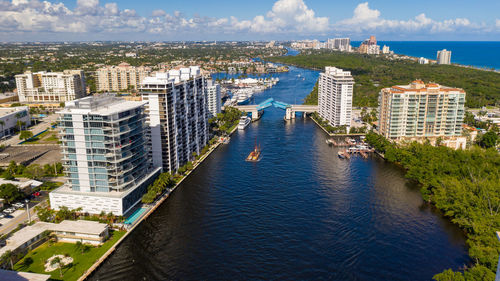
point(485, 54)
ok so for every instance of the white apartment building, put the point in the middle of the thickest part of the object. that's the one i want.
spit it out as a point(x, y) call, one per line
point(340, 44)
point(9, 117)
point(121, 77)
point(386, 50)
point(88, 232)
point(177, 115)
point(444, 57)
point(423, 60)
point(105, 155)
point(213, 98)
point(50, 87)
point(335, 91)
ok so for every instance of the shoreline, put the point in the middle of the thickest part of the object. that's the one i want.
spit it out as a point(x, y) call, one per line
point(335, 135)
point(152, 208)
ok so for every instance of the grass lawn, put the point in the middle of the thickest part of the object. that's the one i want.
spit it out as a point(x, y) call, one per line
point(47, 137)
point(81, 262)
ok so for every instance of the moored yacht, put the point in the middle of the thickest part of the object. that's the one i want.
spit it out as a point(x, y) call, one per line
point(244, 121)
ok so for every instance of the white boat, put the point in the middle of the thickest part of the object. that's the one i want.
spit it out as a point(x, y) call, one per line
point(244, 121)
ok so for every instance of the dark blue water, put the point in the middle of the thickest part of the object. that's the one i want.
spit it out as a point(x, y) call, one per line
point(474, 53)
point(298, 214)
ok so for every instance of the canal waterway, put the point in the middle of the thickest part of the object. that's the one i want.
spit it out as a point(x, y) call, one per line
point(298, 214)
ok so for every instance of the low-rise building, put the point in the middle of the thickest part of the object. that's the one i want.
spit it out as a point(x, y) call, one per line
point(423, 60)
point(87, 232)
point(9, 117)
point(10, 275)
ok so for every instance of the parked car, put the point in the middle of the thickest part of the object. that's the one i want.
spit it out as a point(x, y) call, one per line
point(36, 194)
point(18, 205)
point(2, 215)
point(9, 210)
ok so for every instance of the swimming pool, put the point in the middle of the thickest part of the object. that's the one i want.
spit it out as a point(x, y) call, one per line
point(137, 214)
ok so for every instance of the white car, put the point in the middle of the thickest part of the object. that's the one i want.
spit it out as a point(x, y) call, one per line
point(9, 211)
point(2, 215)
point(18, 205)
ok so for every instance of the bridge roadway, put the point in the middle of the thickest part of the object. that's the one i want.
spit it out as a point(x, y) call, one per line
point(290, 110)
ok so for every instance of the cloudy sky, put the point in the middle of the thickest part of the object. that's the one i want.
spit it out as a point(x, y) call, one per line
point(34, 20)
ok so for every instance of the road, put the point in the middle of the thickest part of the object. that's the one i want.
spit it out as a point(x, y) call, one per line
point(44, 124)
point(14, 222)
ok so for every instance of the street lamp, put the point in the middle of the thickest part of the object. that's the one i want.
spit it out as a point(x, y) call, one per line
point(28, 210)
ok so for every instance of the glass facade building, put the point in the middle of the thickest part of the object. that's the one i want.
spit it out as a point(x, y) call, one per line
point(421, 110)
point(104, 145)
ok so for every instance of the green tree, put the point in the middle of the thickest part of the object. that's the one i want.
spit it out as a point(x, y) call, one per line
point(10, 193)
point(489, 139)
point(34, 171)
point(8, 257)
point(79, 246)
point(24, 135)
point(58, 263)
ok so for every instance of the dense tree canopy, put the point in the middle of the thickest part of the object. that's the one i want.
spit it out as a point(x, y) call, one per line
point(373, 73)
point(10, 193)
point(465, 185)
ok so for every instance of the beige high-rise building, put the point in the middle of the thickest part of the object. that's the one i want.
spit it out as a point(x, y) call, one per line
point(121, 77)
point(420, 110)
point(444, 57)
point(50, 86)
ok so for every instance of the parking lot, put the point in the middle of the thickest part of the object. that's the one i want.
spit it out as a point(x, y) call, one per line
point(11, 220)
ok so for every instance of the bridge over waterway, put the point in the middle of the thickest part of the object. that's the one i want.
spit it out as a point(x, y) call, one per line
point(290, 109)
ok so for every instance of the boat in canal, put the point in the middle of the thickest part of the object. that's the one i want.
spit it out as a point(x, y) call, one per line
point(254, 156)
point(244, 121)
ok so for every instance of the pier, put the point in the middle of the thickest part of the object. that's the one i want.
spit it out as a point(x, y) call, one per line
point(290, 109)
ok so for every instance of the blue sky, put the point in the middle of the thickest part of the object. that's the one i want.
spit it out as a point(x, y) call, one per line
point(27, 20)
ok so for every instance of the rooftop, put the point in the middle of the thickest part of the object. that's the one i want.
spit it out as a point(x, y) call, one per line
point(173, 76)
point(9, 110)
point(9, 275)
point(331, 70)
point(26, 234)
point(420, 86)
point(105, 104)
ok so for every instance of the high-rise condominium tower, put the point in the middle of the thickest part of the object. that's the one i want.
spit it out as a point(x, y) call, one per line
point(105, 155)
point(421, 110)
point(213, 98)
point(444, 57)
point(121, 77)
point(50, 87)
point(335, 96)
point(177, 115)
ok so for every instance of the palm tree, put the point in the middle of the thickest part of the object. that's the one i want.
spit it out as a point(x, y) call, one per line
point(8, 256)
point(79, 246)
point(57, 261)
point(18, 116)
point(20, 123)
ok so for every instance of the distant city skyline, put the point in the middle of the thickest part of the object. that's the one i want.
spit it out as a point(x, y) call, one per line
point(148, 20)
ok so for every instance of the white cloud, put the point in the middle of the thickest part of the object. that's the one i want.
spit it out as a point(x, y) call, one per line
point(365, 19)
point(286, 18)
